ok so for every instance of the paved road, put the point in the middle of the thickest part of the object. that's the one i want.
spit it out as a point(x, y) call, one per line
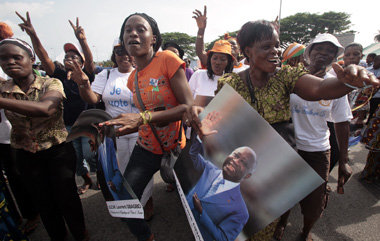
point(352, 216)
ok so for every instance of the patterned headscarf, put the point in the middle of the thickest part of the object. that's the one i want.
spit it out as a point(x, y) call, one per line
point(20, 43)
point(294, 50)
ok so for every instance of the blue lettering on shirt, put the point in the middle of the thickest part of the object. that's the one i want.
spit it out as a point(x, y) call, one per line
point(115, 90)
point(303, 110)
point(118, 103)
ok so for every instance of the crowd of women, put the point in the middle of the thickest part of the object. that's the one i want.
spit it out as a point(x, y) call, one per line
point(149, 87)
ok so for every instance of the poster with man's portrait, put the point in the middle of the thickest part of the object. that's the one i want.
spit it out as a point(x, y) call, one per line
point(120, 198)
point(241, 176)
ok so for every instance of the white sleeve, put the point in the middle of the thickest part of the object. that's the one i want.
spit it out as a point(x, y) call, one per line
point(193, 82)
point(341, 110)
point(100, 82)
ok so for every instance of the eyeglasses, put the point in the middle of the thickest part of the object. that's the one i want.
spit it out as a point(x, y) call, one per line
point(75, 57)
point(120, 51)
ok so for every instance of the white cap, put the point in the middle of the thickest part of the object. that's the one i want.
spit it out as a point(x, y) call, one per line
point(320, 38)
point(74, 47)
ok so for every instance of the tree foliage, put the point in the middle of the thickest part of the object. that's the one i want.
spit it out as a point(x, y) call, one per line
point(377, 37)
point(185, 41)
point(302, 27)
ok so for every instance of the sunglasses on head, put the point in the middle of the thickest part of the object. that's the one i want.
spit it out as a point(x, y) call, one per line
point(120, 51)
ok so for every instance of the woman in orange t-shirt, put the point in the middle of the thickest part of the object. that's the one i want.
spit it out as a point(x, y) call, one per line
point(166, 95)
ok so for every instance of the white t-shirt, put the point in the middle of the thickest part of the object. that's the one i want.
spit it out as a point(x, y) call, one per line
point(5, 129)
point(201, 84)
point(309, 118)
point(115, 93)
point(241, 67)
point(5, 125)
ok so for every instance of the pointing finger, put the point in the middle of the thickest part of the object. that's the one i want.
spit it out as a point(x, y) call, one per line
point(338, 70)
point(77, 22)
point(205, 10)
point(352, 71)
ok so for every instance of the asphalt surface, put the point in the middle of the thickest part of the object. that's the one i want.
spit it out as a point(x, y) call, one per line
point(352, 216)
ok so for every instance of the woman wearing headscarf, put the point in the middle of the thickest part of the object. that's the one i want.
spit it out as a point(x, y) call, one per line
point(293, 55)
point(73, 103)
point(268, 88)
point(34, 106)
point(165, 93)
point(15, 180)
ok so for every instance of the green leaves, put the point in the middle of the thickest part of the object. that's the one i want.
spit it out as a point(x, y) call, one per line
point(302, 27)
point(185, 41)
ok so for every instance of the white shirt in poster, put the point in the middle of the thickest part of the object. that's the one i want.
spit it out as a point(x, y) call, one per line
point(309, 118)
point(201, 84)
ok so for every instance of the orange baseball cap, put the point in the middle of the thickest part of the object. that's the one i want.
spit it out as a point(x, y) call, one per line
point(221, 46)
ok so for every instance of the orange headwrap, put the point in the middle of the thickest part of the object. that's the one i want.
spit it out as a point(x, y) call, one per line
point(5, 31)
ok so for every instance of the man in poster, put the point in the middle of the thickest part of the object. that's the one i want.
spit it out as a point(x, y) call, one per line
point(216, 201)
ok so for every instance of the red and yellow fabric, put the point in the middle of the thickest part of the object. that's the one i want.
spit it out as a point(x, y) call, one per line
point(157, 95)
point(293, 50)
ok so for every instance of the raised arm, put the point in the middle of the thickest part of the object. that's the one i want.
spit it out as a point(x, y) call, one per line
point(312, 88)
point(27, 26)
point(85, 91)
point(199, 43)
point(89, 65)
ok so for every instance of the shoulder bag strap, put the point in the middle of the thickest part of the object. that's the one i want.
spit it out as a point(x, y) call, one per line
point(250, 88)
point(108, 73)
point(138, 95)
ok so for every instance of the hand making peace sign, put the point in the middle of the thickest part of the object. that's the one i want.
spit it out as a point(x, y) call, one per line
point(27, 24)
point(78, 30)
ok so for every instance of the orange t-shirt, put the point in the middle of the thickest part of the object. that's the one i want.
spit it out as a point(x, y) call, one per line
point(157, 95)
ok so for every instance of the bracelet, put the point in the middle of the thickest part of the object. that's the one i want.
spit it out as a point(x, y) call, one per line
point(149, 116)
point(85, 85)
point(143, 116)
point(351, 86)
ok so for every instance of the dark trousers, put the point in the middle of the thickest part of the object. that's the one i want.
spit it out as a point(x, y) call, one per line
point(141, 167)
point(51, 182)
point(18, 186)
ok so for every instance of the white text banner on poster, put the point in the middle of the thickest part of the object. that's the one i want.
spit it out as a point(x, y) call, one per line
point(126, 209)
point(189, 214)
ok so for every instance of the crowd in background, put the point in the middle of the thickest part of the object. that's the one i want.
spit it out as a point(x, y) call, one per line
point(318, 104)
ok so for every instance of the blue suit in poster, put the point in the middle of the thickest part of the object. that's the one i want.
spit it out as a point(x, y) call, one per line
point(224, 212)
point(112, 174)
